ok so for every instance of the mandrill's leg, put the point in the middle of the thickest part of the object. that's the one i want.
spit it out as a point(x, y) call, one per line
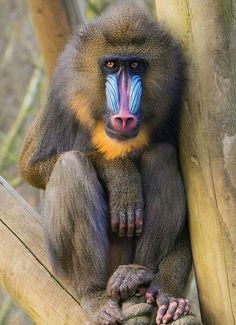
point(76, 230)
point(163, 247)
point(165, 211)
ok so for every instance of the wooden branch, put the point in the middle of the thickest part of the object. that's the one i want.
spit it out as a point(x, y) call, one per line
point(24, 268)
point(52, 29)
point(208, 146)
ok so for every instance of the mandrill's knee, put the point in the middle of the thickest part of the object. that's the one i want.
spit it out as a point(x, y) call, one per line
point(65, 175)
point(69, 167)
point(71, 161)
point(75, 176)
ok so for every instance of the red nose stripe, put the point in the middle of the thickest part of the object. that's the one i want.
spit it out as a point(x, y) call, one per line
point(124, 90)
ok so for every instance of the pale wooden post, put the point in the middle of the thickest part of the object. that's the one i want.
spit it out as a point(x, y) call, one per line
point(207, 30)
point(52, 28)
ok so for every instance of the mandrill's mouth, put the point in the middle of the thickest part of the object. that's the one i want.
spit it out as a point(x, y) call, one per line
point(121, 135)
point(113, 144)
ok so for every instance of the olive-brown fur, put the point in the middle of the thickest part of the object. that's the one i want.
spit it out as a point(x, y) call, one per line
point(91, 198)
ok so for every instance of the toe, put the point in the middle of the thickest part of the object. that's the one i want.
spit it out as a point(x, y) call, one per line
point(170, 312)
point(160, 313)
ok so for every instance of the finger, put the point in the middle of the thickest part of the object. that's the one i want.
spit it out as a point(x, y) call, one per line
point(113, 286)
point(115, 221)
point(180, 309)
point(130, 285)
point(149, 298)
point(115, 291)
point(139, 221)
point(131, 290)
point(187, 307)
point(187, 303)
point(160, 313)
point(151, 294)
point(110, 284)
point(122, 225)
point(170, 312)
point(114, 310)
point(106, 319)
point(130, 224)
point(124, 292)
point(127, 287)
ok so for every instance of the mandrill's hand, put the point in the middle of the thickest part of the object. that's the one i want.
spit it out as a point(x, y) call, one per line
point(126, 211)
point(127, 280)
point(111, 314)
point(124, 187)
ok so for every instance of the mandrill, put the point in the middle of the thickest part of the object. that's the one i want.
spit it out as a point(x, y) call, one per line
point(104, 151)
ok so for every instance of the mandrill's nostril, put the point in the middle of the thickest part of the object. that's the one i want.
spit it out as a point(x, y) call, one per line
point(130, 122)
point(119, 121)
point(124, 123)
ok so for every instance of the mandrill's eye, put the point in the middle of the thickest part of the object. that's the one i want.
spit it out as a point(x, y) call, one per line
point(112, 65)
point(134, 65)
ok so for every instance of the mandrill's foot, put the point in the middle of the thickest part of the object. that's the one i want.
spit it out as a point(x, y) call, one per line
point(126, 280)
point(170, 308)
point(111, 314)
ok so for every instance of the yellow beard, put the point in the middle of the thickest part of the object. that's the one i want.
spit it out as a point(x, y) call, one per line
point(80, 106)
point(112, 148)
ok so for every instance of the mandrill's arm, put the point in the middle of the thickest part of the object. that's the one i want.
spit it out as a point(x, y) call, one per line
point(123, 183)
point(163, 248)
point(37, 174)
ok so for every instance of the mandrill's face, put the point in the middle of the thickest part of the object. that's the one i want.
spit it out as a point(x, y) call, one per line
point(126, 77)
point(123, 88)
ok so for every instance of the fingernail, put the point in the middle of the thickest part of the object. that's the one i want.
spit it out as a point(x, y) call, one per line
point(164, 321)
point(175, 317)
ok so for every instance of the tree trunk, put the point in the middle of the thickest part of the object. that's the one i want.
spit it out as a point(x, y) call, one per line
point(207, 30)
point(53, 22)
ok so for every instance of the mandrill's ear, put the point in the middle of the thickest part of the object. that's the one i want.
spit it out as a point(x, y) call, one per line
point(59, 131)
